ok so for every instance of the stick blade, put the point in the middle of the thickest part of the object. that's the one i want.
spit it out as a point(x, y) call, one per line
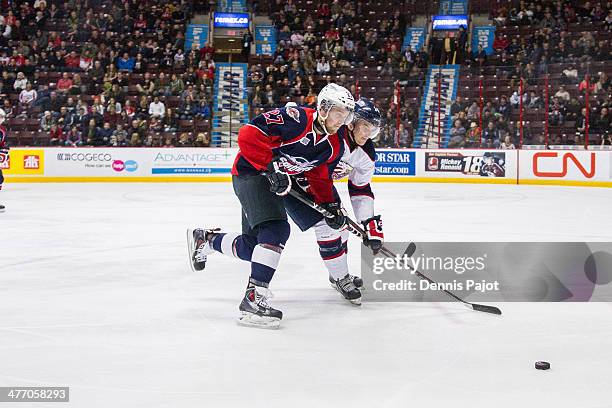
point(486, 309)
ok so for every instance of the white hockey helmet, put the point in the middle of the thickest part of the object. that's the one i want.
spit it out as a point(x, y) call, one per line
point(291, 103)
point(335, 95)
point(2, 116)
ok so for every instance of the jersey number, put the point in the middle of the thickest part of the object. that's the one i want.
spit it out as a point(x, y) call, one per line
point(273, 117)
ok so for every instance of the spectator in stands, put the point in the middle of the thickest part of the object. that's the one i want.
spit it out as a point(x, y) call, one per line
point(73, 137)
point(480, 56)
point(97, 107)
point(170, 121)
point(202, 140)
point(72, 62)
point(119, 137)
point(20, 82)
point(507, 143)
point(556, 115)
point(8, 109)
point(183, 140)
point(177, 86)
point(147, 86)
point(457, 135)
point(569, 75)
point(157, 109)
point(473, 112)
point(323, 66)
point(203, 110)
point(491, 133)
point(125, 63)
point(535, 101)
point(601, 124)
point(27, 97)
point(504, 109)
point(65, 119)
point(64, 84)
point(129, 109)
point(602, 84)
point(562, 94)
point(137, 133)
point(402, 136)
point(56, 135)
point(473, 136)
point(46, 121)
point(90, 132)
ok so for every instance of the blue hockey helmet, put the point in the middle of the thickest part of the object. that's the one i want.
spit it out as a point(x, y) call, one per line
point(367, 111)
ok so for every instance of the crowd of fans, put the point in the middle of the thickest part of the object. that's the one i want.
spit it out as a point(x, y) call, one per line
point(115, 73)
point(124, 78)
point(554, 63)
point(332, 44)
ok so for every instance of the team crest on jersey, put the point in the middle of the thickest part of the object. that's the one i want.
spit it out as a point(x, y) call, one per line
point(342, 170)
point(5, 161)
point(295, 165)
point(293, 113)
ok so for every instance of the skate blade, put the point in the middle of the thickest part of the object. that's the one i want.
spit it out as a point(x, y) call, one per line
point(333, 286)
point(260, 322)
point(355, 302)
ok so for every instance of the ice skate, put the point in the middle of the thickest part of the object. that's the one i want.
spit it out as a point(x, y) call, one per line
point(357, 281)
point(348, 290)
point(255, 311)
point(199, 246)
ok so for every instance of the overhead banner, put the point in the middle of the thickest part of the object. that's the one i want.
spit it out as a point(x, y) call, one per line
point(415, 38)
point(231, 20)
point(196, 34)
point(445, 77)
point(265, 40)
point(483, 35)
point(453, 7)
point(449, 22)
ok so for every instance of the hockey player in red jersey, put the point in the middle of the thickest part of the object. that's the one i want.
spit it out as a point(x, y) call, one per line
point(358, 164)
point(3, 148)
point(280, 143)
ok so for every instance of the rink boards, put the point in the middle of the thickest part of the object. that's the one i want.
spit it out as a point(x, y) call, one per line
point(556, 167)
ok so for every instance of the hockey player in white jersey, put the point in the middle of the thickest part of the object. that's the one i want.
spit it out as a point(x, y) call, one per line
point(358, 164)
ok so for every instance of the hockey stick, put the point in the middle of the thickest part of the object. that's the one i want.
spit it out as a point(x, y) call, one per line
point(356, 229)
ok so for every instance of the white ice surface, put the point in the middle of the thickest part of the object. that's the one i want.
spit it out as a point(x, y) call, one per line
point(96, 294)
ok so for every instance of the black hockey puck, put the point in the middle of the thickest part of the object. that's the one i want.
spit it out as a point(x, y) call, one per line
point(542, 365)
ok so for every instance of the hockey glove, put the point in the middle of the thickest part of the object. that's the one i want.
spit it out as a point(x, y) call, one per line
point(374, 236)
point(5, 149)
point(280, 182)
point(338, 220)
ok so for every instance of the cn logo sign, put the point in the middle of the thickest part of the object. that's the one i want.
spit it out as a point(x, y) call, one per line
point(543, 159)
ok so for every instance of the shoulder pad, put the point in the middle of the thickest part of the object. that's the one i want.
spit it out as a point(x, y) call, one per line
point(368, 147)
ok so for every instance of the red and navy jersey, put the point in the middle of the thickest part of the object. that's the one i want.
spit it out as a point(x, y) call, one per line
point(3, 136)
point(287, 133)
